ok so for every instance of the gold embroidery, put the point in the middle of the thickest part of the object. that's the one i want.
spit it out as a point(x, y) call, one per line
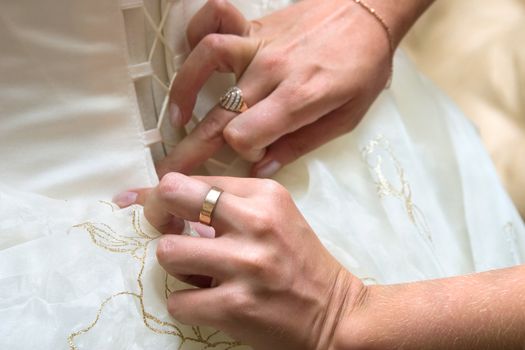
point(71, 337)
point(376, 154)
point(113, 206)
point(137, 245)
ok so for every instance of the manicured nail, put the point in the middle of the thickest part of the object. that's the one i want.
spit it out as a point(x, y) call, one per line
point(175, 116)
point(125, 199)
point(203, 230)
point(268, 169)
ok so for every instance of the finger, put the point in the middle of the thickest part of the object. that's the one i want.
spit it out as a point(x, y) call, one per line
point(245, 137)
point(133, 196)
point(168, 225)
point(202, 230)
point(198, 146)
point(182, 197)
point(292, 146)
point(282, 112)
point(208, 136)
point(216, 16)
point(185, 255)
point(215, 52)
point(241, 186)
point(203, 307)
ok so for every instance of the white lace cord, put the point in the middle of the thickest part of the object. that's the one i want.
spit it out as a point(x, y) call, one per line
point(145, 69)
point(164, 108)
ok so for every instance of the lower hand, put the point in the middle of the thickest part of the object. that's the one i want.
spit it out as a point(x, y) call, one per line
point(275, 285)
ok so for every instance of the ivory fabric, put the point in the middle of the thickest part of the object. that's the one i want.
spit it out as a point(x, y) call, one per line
point(69, 111)
point(411, 194)
point(473, 50)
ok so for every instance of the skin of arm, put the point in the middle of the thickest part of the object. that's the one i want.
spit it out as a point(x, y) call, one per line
point(479, 311)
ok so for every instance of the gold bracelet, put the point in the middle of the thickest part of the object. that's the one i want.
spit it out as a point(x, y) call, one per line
point(388, 35)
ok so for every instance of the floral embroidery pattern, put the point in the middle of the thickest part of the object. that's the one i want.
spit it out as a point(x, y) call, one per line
point(136, 246)
point(378, 154)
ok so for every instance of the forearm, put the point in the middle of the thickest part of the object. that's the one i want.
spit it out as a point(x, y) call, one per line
point(482, 311)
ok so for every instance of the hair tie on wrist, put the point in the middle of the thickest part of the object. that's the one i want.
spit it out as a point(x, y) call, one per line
point(388, 34)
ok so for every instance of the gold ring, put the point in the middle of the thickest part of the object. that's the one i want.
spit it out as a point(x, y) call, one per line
point(208, 206)
point(232, 100)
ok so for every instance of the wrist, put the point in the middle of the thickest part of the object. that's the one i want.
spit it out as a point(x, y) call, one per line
point(375, 321)
point(399, 15)
point(352, 330)
point(344, 298)
point(394, 316)
point(453, 313)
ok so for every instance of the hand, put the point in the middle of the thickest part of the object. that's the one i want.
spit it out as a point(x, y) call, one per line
point(275, 285)
point(308, 73)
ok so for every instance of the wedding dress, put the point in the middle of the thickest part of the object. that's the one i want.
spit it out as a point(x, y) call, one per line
point(409, 195)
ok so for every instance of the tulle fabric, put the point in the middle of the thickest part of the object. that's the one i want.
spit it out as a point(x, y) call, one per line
point(409, 195)
point(85, 276)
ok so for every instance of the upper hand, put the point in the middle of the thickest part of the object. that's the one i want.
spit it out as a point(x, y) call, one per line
point(308, 74)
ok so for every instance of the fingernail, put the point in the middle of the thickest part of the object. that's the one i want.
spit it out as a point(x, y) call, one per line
point(203, 230)
point(175, 115)
point(268, 169)
point(125, 199)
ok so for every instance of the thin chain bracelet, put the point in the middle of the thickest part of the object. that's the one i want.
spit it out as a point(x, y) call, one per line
point(388, 34)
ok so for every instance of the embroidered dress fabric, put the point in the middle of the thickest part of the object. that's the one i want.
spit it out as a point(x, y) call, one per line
point(411, 194)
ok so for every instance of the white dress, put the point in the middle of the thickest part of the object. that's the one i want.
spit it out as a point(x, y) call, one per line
point(409, 195)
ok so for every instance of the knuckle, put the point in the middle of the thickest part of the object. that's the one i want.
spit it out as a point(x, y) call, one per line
point(304, 93)
point(210, 130)
point(240, 303)
point(164, 250)
point(264, 215)
point(213, 43)
point(239, 141)
point(169, 184)
point(264, 264)
point(274, 189)
point(257, 263)
point(272, 62)
point(261, 221)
